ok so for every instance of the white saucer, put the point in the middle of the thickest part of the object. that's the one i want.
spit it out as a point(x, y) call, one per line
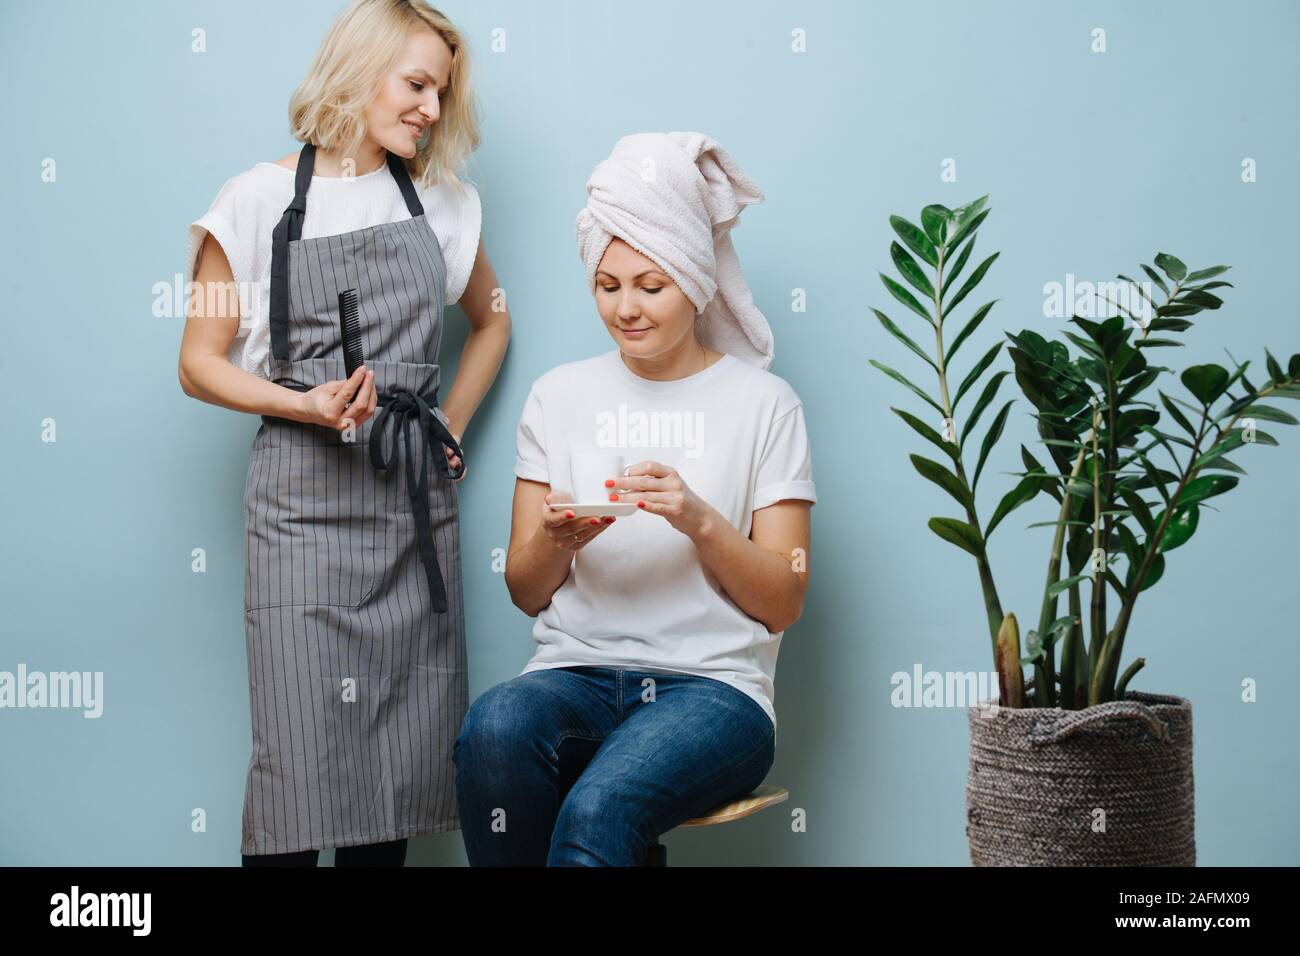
point(596, 510)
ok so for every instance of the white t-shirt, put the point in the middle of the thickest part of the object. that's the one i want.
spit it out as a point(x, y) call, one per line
point(637, 596)
point(249, 205)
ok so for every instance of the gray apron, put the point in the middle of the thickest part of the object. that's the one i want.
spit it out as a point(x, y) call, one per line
point(353, 608)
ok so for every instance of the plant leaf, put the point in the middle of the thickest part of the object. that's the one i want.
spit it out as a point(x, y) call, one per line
point(971, 282)
point(1225, 465)
point(1153, 573)
point(926, 432)
point(962, 216)
point(970, 327)
point(934, 220)
point(1130, 421)
point(973, 376)
point(960, 533)
point(1206, 486)
point(1233, 440)
point(1033, 649)
point(942, 477)
point(1181, 526)
point(1137, 504)
point(915, 239)
point(1064, 584)
point(957, 266)
point(1026, 490)
point(994, 432)
point(1171, 266)
point(1155, 277)
point(905, 297)
point(910, 271)
point(970, 226)
point(1137, 285)
point(1132, 550)
point(1177, 415)
point(1157, 480)
point(1137, 384)
point(1269, 414)
point(897, 333)
point(1206, 382)
point(985, 397)
point(903, 381)
point(1274, 369)
point(1200, 297)
point(1169, 325)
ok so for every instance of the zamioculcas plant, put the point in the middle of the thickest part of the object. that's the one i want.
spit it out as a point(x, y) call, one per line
point(1102, 432)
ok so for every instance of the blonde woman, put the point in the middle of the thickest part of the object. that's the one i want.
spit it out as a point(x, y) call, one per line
point(649, 698)
point(353, 607)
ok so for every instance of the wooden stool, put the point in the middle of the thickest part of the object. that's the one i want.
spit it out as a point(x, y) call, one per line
point(761, 797)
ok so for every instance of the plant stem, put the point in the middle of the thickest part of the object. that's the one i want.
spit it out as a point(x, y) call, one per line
point(992, 605)
point(1108, 495)
point(1128, 675)
point(1042, 674)
point(1098, 578)
point(1074, 679)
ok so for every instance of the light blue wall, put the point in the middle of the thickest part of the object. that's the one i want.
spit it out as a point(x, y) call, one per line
point(1094, 162)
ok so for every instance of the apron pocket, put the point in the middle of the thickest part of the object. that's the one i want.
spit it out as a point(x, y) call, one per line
point(314, 522)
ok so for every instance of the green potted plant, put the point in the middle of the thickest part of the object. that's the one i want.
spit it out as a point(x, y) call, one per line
point(1070, 767)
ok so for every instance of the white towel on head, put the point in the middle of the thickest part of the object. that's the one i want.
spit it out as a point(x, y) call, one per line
point(674, 197)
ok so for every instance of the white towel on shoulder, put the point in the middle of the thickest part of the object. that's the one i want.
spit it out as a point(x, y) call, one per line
point(675, 197)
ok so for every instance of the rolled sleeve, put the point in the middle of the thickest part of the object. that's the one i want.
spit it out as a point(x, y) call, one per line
point(785, 464)
point(530, 445)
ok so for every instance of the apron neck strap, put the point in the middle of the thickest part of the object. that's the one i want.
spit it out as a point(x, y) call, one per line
point(287, 230)
point(301, 182)
point(398, 168)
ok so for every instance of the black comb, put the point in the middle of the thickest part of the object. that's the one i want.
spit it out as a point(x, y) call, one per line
point(354, 355)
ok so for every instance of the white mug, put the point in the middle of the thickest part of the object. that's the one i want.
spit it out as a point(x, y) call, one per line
point(589, 472)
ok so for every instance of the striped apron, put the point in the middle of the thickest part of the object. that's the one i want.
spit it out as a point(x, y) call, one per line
point(353, 609)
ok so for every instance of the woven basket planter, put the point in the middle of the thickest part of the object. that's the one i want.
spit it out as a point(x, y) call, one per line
point(1039, 777)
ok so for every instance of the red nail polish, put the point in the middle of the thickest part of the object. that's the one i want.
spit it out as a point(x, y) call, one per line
point(640, 504)
point(613, 497)
point(568, 514)
point(609, 519)
point(594, 521)
point(609, 482)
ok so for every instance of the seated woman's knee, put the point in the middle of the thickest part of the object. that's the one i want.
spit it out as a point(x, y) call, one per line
point(497, 723)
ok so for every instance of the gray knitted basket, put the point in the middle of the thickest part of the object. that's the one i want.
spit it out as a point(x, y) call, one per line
point(1038, 776)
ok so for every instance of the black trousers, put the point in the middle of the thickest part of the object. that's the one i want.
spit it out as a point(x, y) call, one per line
point(367, 854)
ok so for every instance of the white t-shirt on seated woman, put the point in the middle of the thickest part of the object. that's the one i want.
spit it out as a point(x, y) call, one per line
point(637, 596)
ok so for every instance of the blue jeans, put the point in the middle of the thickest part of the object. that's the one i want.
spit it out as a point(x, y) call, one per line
point(587, 766)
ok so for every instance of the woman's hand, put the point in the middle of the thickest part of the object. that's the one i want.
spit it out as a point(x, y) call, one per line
point(568, 533)
point(327, 404)
point(659, 490)
point(453, 459)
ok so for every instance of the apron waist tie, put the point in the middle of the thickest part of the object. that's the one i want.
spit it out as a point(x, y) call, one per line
point(413, 417)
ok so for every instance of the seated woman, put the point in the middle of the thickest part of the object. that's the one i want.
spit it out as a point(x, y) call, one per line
point(649, 698)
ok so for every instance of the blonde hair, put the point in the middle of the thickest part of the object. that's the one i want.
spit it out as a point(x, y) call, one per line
point(327, 108)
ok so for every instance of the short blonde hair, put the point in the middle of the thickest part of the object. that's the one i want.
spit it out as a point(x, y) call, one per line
point(327, 107)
